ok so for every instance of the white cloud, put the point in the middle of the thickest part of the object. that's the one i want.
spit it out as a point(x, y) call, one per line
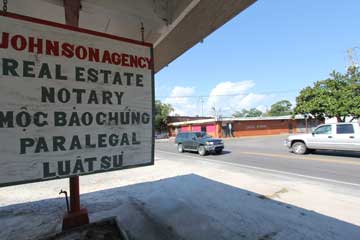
point(232, 87)
point(262, 108)
point(249, 101)
point(181, 100)
point(227, 97)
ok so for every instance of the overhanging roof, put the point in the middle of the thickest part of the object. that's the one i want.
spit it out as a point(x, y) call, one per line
point(173, 26)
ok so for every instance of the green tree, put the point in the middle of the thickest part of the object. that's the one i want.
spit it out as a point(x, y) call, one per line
point(280, 108)
point(253, 112)
point(162, 111)
point(337, 96)
point(240, 114)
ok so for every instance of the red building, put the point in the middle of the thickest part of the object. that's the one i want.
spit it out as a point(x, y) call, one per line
point(237, 127)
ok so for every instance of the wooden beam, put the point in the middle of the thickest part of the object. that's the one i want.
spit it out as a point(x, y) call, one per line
point(72, 10)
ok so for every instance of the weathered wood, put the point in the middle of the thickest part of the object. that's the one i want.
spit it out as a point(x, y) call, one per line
point(72, 11)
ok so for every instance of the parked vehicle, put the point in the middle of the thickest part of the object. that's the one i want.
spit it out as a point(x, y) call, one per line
point(336, 136)
point(161, 136)
point(198, 142)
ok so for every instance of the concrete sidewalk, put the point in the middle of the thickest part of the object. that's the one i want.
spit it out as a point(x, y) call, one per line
point(189, 198)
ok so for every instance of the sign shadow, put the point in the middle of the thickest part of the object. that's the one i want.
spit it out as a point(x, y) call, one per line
point(182, 207)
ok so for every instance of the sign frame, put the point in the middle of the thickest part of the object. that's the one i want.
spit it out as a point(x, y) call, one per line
point(103, 35)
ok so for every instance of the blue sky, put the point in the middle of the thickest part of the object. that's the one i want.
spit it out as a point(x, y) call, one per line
point(267, 53)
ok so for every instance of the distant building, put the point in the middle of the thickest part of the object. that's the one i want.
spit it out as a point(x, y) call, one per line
point(172, 119)
point(237, 127)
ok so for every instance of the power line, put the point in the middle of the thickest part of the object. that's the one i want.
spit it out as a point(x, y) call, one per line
point(227, 95)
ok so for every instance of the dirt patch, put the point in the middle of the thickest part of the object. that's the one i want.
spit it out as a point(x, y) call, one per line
point(106, 229)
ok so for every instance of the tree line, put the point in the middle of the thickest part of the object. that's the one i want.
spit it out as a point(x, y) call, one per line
point(280, 108)
point(337, 96)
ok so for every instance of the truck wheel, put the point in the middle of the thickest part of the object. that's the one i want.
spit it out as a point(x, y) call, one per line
point(202, 150)
point(299, 148)
point(180, 148)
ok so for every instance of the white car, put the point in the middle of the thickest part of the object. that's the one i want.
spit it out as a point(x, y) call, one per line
point(336, 136)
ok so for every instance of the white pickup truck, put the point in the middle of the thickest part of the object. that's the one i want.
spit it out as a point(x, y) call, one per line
point(336, 136)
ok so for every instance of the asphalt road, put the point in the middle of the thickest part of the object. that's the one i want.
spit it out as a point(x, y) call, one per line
point(269, 153)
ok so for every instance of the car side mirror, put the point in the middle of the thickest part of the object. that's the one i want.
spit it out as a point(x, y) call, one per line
point(313, 133)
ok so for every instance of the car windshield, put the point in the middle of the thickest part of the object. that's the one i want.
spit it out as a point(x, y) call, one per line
point(201, 135)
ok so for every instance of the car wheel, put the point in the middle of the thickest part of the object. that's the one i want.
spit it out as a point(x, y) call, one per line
point(202, 150)
point(180, 148)
point(299, 148)
point(218, 151)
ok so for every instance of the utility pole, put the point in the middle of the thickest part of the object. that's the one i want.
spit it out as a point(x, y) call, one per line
point(202, 106)
point(352, 60)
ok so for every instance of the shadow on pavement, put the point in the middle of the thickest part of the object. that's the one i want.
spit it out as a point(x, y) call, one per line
point(182, 207)
point(224, 152)
point(337, 153)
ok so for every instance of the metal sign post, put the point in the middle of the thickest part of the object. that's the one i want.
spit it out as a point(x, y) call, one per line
point(77, 216)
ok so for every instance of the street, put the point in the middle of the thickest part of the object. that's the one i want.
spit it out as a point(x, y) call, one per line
point(268, 153)
point(254, 190)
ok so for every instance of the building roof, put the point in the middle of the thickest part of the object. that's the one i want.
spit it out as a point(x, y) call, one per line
point(172, 119)
point(167, 24)
point(231, 119)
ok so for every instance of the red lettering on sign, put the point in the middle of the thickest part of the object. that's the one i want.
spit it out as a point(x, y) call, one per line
point(125, 60)
point(52, 48)
point(81, 52)
point(18, 42)
point(149, 62)
point(133, 61)
point(38, 45)
point(116, 58)
point(94, 54)
point(106, 57)
point(4, 40)
point(142, 62)
point(67, 50)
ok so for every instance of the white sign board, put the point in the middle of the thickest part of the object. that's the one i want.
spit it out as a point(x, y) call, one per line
point(72, 101)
